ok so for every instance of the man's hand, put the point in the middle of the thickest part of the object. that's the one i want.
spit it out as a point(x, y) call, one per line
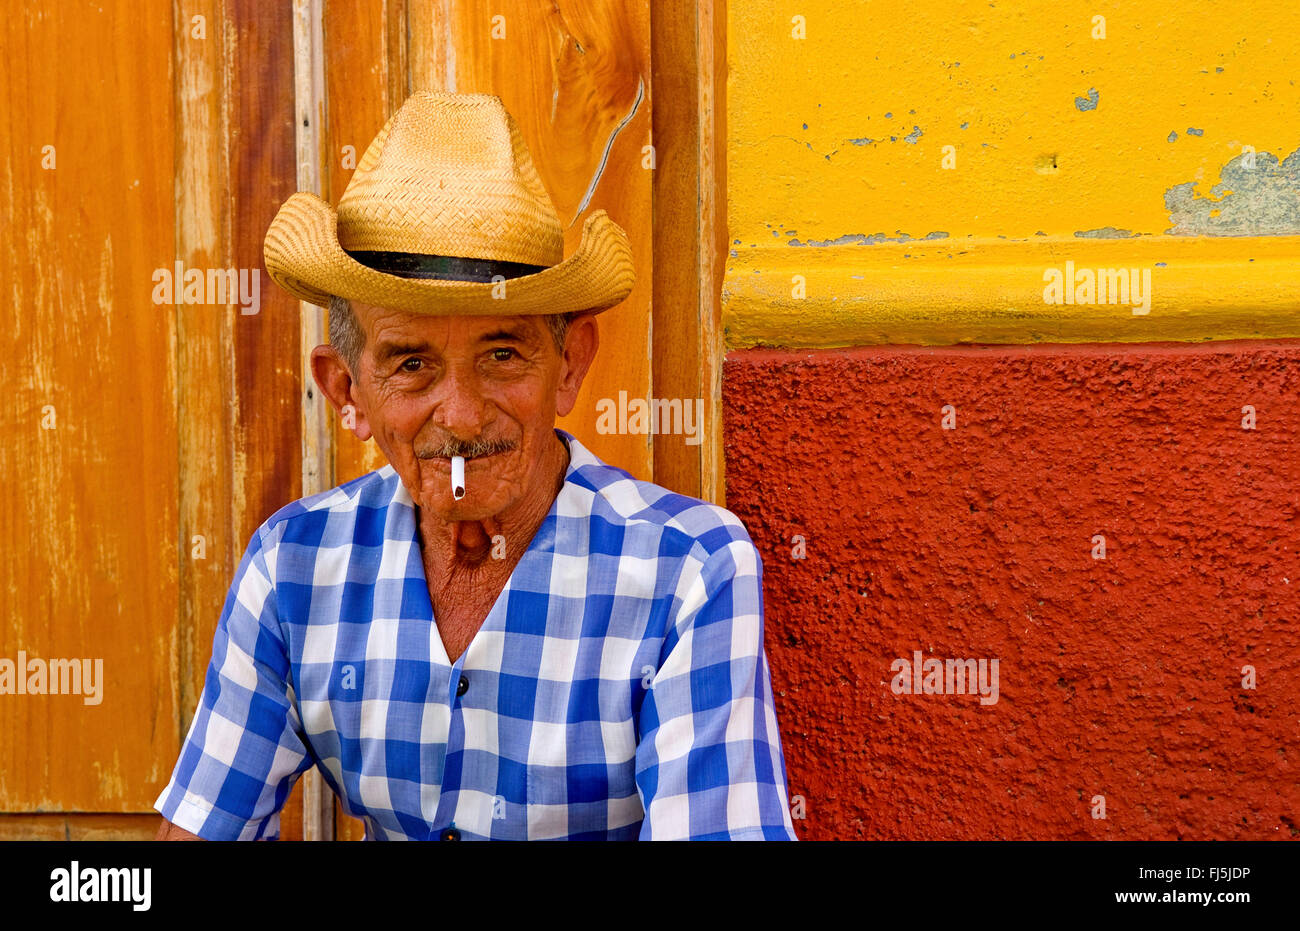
point(169, 831)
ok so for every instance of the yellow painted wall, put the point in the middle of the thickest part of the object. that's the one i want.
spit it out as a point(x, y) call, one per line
point(1057, 143)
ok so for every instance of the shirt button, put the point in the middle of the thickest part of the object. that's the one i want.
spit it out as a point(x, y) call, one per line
point(450, 833)
point(463, 686)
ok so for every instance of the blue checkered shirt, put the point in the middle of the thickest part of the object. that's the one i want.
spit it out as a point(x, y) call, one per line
point(618, 689)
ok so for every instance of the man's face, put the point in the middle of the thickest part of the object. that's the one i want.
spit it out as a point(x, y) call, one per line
point(484, 388)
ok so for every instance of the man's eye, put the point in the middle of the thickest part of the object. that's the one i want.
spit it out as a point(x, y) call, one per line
point(412, 365)
point(497, 354)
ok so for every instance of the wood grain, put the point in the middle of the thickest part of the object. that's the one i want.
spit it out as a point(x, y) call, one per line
point(689, 234)
point(711, 71)
point(365, 82)
point(207, 548)
point(90, 515)
point(317, 431)
point(78, 826)
point(267, 422)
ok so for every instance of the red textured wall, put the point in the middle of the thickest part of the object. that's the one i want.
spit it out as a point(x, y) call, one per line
point(1119, 677)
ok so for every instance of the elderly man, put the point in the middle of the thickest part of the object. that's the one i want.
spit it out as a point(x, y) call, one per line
point(551, 650)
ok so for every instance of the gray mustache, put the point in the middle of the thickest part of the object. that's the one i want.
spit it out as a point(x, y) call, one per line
point(467, 449)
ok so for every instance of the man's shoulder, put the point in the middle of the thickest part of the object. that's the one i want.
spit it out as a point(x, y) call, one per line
point(620, 498)
point(354, 505)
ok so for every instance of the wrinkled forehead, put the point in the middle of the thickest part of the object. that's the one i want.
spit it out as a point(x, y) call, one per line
point(381, 324)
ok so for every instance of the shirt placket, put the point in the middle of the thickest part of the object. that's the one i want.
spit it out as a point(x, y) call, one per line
point(441, 734)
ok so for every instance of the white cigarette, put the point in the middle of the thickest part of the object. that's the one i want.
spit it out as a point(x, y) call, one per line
point(458, 477)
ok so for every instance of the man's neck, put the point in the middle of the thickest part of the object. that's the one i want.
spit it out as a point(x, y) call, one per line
point(459, 551)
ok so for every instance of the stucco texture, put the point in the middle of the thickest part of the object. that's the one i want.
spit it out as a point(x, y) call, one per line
point(1119, 677)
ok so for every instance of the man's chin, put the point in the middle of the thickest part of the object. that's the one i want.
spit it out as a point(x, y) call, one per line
point(452, 511)
point(479, 503)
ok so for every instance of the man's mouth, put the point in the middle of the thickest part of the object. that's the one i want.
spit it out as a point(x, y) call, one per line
point(444, 462)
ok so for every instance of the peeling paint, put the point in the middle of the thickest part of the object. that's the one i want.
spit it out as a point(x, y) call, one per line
point(1195, 132)
point(1003, 184)
point(1106, 232)
point(1173, 136)
point(1262, 200)
point(806, 145)
point(859, 239)
point(1090, 103)
point(914, 135)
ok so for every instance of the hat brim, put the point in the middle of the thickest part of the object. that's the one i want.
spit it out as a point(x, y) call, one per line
point(303, 256)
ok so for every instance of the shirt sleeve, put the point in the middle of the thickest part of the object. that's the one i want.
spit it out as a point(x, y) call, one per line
point(709, 762)
point(245, 747)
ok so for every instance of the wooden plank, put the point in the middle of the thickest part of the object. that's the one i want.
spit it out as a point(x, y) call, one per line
point(268, 380)
point(88, 433)
point(687, 219)
point(208, 549)
point(577, 81)
point(675, 351)
point(365, 53)
point(78, 826)
point(317, 440)
point(429, 46)
point(394, 61)
point(714, 239)
point(365, 82)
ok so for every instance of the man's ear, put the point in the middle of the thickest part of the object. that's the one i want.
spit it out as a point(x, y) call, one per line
point(335, 382)
point(580, 345)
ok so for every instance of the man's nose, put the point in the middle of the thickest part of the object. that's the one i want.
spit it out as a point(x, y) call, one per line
point(461, 409)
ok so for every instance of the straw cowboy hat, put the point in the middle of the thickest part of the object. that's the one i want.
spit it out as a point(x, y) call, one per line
point(445, 214)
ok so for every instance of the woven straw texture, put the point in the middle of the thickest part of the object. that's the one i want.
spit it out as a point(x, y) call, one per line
point(449, 174)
